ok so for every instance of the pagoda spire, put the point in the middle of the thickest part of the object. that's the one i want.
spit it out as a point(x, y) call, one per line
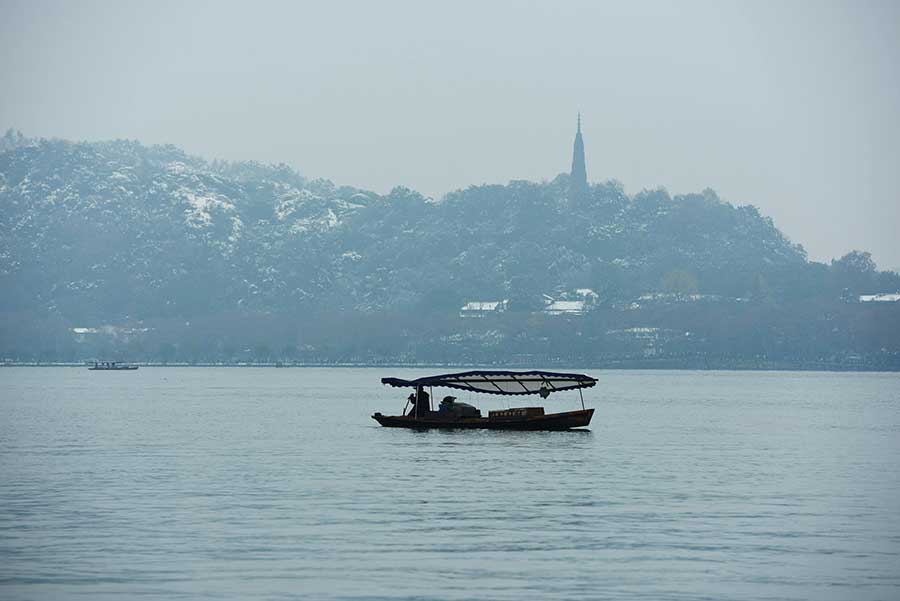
point(578, 186)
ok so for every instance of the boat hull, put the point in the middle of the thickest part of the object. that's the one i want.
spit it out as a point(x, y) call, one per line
point(550, 421)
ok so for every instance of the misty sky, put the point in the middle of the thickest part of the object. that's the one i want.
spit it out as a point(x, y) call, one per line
point(793, 107)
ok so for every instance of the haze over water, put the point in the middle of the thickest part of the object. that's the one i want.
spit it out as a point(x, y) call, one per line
point(237, 483)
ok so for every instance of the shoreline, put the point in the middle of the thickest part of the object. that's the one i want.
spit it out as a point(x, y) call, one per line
point(799, 366)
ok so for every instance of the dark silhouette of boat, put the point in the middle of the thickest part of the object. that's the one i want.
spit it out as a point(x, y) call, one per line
point(452, 414)
point(111, 366)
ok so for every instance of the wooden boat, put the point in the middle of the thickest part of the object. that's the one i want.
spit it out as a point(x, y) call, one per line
point(111, 366)
point(452, 414)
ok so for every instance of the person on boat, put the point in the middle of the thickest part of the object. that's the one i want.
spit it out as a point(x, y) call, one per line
point(421, 405)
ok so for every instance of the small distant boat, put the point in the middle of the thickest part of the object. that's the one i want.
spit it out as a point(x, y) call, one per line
point(452, 414)
point(111, 366)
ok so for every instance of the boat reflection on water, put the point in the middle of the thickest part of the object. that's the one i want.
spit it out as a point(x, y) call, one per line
point(451, 414)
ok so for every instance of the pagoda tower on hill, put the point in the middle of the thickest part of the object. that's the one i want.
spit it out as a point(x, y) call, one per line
point(578, 185)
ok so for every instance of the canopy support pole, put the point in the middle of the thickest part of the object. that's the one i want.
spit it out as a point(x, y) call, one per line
point(419, 390)
point(582, 398)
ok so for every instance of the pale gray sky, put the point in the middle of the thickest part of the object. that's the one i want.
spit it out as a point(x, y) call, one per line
point(791, 106)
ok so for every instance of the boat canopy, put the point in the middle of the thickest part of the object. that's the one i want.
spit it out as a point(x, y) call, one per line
point(501, 382)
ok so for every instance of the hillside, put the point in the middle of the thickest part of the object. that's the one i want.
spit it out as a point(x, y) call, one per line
point(121, 234)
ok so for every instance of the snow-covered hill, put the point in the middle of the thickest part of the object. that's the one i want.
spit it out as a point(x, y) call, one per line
point(114, 231)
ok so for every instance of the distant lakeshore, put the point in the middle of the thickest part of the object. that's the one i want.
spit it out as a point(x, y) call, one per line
point(636, 364)
point(118, 251)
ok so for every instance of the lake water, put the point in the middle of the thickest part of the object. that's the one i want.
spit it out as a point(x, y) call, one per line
point(235, 483)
